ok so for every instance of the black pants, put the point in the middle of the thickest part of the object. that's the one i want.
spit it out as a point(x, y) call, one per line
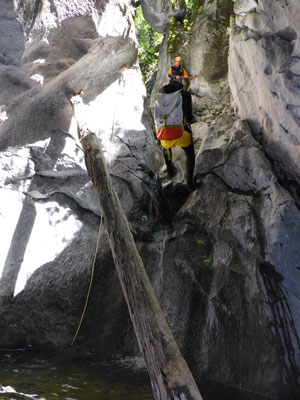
point(190, 162)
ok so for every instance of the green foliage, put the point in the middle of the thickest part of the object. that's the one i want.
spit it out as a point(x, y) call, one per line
point(193, 7)
point(179, 33)
point(207, 261)
point(176, 34)
point(149, 44)
point(174, 3)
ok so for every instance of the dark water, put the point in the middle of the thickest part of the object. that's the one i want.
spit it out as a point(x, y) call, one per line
point(26, 375)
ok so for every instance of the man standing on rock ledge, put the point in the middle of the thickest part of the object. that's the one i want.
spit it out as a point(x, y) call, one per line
point(176, 72)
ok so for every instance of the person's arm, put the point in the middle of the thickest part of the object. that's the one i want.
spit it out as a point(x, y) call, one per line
point(170, 73)
point(185, 74)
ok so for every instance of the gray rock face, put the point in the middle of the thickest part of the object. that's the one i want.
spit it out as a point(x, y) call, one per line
point(49, 208)
point(207, 50)
point(162, 69)
point(223, 259)
point(228, 276)
point(159, 12)
point(206, 57)
point(264, 53)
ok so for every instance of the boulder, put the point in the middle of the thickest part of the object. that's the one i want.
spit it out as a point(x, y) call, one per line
point(158, 13)
point(264, 77)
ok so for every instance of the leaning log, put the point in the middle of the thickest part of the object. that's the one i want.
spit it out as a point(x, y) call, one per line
point(170, 376)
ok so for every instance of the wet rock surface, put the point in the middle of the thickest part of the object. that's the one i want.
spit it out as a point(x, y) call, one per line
point(223, 259)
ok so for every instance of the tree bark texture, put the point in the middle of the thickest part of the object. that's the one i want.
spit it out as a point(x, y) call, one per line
point(170, 376)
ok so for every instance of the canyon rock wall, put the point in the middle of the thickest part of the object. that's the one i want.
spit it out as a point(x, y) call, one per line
point(223, 259)
point(265, 55)
point(202, 42)
point(50, 210)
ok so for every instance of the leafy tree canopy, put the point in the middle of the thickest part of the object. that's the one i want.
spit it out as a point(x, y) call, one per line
point(149, 44)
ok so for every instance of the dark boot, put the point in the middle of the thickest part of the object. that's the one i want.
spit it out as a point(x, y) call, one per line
point(171, 170)
point(190, 165)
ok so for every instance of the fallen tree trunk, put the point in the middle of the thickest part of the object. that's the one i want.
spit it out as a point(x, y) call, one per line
point(170, 376)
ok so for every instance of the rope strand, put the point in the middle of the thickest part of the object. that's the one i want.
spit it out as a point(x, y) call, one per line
point(99, 233)
point(91, 281)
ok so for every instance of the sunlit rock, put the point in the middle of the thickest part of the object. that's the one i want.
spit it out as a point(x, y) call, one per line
point(50, 212)
point(264, 77)
point(38, 78)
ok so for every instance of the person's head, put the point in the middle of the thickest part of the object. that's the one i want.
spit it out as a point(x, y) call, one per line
point(177, 61)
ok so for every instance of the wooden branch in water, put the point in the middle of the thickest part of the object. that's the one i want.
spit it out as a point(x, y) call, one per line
point(170, 376)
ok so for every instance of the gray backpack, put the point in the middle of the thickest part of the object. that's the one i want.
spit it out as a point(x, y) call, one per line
point(168, 116)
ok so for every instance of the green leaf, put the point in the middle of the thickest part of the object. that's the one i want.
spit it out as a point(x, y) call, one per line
point(149, 45)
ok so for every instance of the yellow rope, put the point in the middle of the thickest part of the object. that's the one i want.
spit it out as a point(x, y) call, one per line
point(91, 281)
point(98, 239)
